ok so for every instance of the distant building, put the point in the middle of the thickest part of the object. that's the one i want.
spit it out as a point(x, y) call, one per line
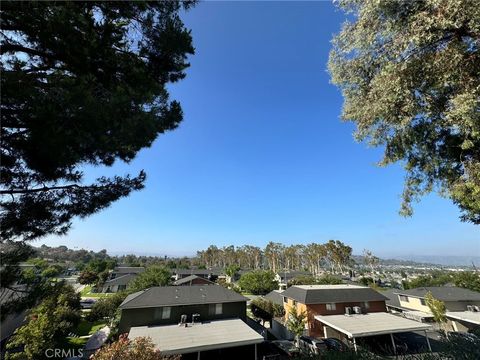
point(209, 274)
point(193, 280)
point(119, 278)
point(284, 277)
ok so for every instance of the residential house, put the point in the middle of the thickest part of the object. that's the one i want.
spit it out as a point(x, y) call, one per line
point(462, 305)
point(191, 320)
point(126, 270)
point(165, 305)
point(284, 277)
point(455, 298)
point(331, 300)
point(118, 283)
point(209, 274)
point(119, 278)
point(193, 280)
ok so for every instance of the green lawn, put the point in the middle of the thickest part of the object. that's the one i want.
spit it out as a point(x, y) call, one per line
point(88, 328)
point(86, 292)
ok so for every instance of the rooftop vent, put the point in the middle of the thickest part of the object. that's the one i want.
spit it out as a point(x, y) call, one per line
point(183, 319)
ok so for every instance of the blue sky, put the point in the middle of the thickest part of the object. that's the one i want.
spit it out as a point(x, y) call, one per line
point(262, 155)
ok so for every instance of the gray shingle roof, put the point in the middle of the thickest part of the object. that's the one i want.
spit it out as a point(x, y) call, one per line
point(196, 271)
point(443, 293)
point(128, 270)
point(180, 295)
point(189, 278)
point(322, 294)
point(120, 280)
point(275, 296)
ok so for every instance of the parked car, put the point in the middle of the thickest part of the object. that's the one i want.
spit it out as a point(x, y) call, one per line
point(335, 344)
point(287, 347)
point(312, 345)
point(87, 303)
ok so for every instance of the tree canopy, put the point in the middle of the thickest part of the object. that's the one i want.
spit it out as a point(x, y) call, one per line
point(258, 282)
point(409, 74)
point(152, 276)
point(83, 83)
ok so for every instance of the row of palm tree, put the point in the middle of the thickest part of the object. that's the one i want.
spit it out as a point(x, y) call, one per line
point(314, 257)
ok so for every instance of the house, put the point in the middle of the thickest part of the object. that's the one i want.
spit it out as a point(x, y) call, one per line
point(209, 274)
point(126, 270)
point(14, 320)
point(165, 305)
point(193, 280)
point(455, 298)
point(118, 283)
point(119, 278)
point(326, 300)
point(284, 277)
point(462, 305)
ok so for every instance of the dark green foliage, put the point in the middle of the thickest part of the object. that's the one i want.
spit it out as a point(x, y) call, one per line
point(312, 280)
point(152, 276)
point(266, 309)
point(409, 74)
point(106, 307)
point(83, 83)
point(48, 323)
point(87, 277)
point(258, 282)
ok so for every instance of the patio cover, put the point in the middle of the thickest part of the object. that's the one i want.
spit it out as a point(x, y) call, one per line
point(370, 324)
point(176, 339)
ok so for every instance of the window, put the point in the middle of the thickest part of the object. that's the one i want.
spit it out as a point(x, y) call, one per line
point(122, 287)
point(366, 305)
point(294, 303)
point(403, 298)
point(422, 301)
point(285, 300)
point(158, 313)
point(166, 312)
point(331, 307)
point(215, 309)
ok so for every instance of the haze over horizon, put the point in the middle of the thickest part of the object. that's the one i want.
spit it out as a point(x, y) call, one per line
point(262, 155)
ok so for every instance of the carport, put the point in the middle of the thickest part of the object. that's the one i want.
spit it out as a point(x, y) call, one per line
point(363, 325)
point(199, 337)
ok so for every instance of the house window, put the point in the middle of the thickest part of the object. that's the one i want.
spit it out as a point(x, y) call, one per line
point(294, 303)
point(331, 307)
point(166, 312)
point(403, 298)
point(215, 309)
point(158, 313)
point(422, 301)
point(285, 300)
point(366, 305)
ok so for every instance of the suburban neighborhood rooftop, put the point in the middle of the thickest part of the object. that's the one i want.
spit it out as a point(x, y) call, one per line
point(467, 316)
point(188, 279)
point(321, 294)
point(443, 293)
point(120, 280)
point(180, 295)
point(175, 339)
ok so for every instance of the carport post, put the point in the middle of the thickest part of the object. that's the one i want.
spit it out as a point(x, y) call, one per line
point(198, 356)
point(355, 344)
point(255, 351)
point(428, 341)
point(393, 343)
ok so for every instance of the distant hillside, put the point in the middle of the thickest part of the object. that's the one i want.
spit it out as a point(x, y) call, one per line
point(442, 260)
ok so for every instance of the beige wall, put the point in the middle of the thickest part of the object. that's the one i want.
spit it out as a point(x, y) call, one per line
point(415, 304)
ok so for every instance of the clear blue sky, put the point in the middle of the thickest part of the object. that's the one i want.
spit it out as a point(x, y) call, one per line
point(262, 155)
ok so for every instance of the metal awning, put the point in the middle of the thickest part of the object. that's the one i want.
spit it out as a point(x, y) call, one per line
point(220, 334)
